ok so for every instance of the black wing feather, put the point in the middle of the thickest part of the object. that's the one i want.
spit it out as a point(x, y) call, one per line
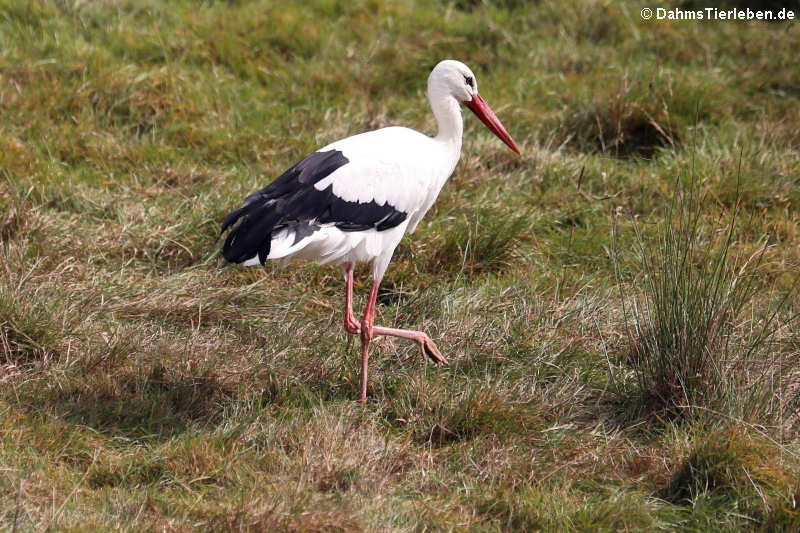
point(293, 201)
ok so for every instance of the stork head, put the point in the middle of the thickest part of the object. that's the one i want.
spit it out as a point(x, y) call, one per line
point(456, 79)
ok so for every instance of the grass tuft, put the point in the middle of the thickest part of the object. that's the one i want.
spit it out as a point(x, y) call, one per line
point(28, 327)
point(631, 118)
point(685, 348)
point(734, 468)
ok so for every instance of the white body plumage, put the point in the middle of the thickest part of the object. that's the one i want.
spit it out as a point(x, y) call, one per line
point(396, 166)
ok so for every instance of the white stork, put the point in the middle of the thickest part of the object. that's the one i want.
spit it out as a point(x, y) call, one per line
point(354, 199)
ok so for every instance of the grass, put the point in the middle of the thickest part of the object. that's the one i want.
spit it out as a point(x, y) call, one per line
point(147, 385)
point(684, 347)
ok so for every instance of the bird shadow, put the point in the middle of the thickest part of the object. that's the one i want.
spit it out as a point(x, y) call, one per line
point(390, 294)
point(150, 407)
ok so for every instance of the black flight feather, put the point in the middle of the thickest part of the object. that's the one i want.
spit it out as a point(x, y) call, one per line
point(292, 201)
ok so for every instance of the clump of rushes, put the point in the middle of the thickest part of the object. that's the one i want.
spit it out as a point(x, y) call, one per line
point(686, 346)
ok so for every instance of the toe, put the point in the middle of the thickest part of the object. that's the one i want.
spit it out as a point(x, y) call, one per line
point(430, 350)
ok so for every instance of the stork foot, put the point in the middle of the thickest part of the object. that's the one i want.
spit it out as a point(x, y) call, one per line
point(430, 350)
point(426, 345)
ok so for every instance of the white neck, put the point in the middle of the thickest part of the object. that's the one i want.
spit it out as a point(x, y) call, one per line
point(448, 118)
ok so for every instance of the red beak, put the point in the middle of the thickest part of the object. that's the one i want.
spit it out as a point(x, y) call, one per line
point(479, 106)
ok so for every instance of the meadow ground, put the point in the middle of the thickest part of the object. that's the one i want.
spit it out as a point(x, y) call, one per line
point(616, 303)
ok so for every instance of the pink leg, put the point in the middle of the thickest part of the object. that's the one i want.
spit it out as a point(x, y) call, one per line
point(351, 325)
point(369, 330)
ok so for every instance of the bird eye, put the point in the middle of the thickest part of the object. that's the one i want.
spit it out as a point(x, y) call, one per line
point(468, 80)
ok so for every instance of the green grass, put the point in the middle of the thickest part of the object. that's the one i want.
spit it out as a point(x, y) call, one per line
point(147, 385)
